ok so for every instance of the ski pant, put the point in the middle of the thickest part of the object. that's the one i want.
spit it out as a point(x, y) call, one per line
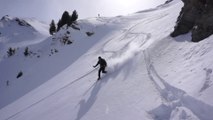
point(101, 69)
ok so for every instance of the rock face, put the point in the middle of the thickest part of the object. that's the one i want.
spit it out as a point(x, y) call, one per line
point(196, 16)
point(21, 22)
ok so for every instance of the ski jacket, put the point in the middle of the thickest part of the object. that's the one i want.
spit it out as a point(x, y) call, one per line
point(101, 62)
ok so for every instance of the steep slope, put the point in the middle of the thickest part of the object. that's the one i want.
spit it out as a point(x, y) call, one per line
point(46, 58)
point(16, 35)
point(150, 76)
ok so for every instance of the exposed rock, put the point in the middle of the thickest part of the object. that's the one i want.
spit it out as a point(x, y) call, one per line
point(195, 16)
point(20, 22)
point(6, 18)
point(168, 1)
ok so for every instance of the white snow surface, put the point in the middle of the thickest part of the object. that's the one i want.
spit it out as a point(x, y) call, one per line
point(151, 76)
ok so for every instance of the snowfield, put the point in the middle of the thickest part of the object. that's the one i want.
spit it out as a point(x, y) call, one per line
point(151, 76)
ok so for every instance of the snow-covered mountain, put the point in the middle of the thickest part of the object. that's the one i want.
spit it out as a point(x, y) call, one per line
point(15, 30)
point(17, 34)
point(151, 76)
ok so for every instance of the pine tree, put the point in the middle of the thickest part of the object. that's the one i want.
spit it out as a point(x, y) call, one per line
point(11, 52)
point(59, 24)
point(64, 20)
point(67, 19)
point(26, 51)
point(74, 16)
point(52, 29)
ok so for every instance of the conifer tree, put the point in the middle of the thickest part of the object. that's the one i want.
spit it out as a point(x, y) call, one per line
point(52, 29)
point(64, 20)
point(11, 52)
point(74, 16)
point(26, 51)
point(67, 19)
point(59, 24)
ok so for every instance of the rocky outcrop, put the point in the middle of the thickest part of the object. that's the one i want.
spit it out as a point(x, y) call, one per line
point(196, 16)
point(20, 22)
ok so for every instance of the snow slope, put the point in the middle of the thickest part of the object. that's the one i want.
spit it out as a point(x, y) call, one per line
point(151, 76)
point(17, 34)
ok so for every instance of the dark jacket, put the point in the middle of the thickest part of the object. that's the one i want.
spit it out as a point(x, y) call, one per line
point(101, 62)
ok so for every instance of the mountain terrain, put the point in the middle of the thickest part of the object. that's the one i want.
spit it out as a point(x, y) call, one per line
point(151, 76)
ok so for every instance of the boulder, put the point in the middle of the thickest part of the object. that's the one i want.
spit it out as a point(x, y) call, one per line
point(195, 16)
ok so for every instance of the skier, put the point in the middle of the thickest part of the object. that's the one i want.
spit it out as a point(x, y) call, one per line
point(103, 65)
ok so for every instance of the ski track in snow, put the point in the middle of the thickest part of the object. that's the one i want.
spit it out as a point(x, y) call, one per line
point(129, 37)
point(208, 81)
point(177, 103)
point(53, 93)
point(132, 40)
point(131, 43)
